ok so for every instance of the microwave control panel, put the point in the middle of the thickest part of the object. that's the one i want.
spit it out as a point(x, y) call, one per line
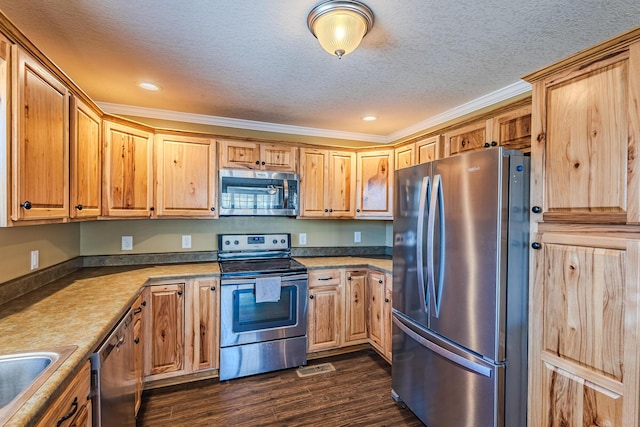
point(254, 242)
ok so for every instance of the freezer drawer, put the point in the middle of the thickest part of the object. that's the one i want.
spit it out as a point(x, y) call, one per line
point(442, 384)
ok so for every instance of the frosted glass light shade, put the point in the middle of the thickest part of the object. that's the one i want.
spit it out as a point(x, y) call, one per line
point(340, 26)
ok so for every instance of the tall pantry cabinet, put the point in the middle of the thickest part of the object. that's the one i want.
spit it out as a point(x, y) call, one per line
point(584, 341)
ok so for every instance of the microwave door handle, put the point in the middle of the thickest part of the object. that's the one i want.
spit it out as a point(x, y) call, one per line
point(422, 204)
point(285, 190)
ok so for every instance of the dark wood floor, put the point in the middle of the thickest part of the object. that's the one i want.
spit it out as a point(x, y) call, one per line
point(356, 394)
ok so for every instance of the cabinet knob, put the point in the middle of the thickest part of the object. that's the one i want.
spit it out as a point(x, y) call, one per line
point(536, 245)
point(26, 205)
point(212, 209)
point(257, 162)
point(137, 340)
point(326, 210)
point(310, 296)
point(386, 300)
point(213, 288)
point(357, 210)
point(144, 303)
point(179, 292)
point(494, 143)
point(486, 145)
point(79, 207)
point(536, 209)
point(263, 163)
point(152, 209)
point(330, 210)
point(380, 281)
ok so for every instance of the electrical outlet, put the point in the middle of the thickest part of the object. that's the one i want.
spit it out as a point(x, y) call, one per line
point(35, 259)
point(302, 238)
point(186, 241)
point(357, 237)
point(127, 243)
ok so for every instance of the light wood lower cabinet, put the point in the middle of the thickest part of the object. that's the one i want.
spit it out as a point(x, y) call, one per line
point(584, 331)
point(349, 307)
point(139, 309)
point(324, 312)
point(73, 406)
point(355, 307)
point(182, 328)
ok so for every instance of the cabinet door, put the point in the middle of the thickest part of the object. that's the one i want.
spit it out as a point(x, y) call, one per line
point(405, 156)
point(584, 121)
point(139, 308)
point(355, 307)
point(342, 184)
point(278, 157)
point(467, 138)
point(324, 312)
point(85, 161)
point(584, 321)
point(376, 292)
point(428, 149)
point(40, 143)
point(388, 321)
point(239, 154)
point(164, 349)
point(205, 311)
point(314, 183)
point(128, 171)
point(513, 129)
point(185, 176)
point(375, 185)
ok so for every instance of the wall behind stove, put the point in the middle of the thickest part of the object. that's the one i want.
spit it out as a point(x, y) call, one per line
point(161, 236)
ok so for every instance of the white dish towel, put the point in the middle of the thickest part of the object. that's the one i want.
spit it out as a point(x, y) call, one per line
point(268, 289)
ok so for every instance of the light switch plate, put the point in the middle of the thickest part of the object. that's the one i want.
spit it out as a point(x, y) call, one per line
point(35, 259)
point(357, 237)
point(302, 238)
point(127, 243)
point(186, 241)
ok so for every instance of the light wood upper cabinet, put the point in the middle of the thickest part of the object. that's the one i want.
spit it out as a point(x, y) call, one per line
point(165, 329)
point(85, 161)
point(40, 142)
point(405, 156)
point(466, 138)
point(428, 149)
point(355, 306)
point(374, 197)
point(586, 127)
point(128, 171)
point(185, 176)
point(205, 335)
point(327, 183)
point(254, 155)
point(584, 330)
point(513, 129)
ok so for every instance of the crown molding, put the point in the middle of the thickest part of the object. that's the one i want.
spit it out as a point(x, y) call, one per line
point(515, 89)
point(155, 113)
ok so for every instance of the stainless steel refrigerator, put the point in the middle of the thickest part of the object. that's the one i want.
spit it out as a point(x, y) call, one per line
point(460, 271)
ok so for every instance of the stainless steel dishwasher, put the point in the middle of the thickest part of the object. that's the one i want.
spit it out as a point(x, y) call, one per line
point(113, 378)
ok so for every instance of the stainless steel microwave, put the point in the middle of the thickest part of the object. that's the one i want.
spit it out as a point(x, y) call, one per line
point(248, 192)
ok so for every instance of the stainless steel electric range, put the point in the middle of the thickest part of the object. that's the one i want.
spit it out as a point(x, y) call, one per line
point(263, 305)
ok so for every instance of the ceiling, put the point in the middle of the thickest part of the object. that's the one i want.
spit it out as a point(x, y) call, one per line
point(255, 64)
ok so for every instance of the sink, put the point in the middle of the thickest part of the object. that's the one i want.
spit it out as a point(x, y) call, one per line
point(21, 374)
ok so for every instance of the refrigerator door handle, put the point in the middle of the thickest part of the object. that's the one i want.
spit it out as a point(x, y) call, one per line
point(437, 202)
point(425, 194)
point(449, 355)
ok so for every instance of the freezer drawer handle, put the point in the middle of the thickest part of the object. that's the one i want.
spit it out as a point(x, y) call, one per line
point(472, 366)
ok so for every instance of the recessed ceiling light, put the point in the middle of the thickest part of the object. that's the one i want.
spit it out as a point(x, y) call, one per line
point(149, 86)
point(369, 118)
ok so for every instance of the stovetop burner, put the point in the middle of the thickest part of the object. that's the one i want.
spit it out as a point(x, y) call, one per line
point(255, 267)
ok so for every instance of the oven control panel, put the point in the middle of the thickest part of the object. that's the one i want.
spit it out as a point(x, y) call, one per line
point(254, 242)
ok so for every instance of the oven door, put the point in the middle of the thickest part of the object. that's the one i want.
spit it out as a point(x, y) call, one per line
point(244, 321)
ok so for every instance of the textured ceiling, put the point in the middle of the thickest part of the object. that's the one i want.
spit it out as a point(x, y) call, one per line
point(256, 60)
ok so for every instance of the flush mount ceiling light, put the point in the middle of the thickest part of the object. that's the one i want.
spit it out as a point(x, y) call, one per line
point(149, 86)
point(340, 26)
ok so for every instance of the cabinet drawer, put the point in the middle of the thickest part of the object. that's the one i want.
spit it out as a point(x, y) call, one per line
point(324, 277)
point(73, 400)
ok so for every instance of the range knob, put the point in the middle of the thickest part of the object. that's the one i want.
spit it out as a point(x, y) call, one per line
point(226, 242)
point(235, 242)
point(283, 241)
point(275, 241)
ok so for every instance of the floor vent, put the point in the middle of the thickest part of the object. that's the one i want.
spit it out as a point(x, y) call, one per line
point(308, 371)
